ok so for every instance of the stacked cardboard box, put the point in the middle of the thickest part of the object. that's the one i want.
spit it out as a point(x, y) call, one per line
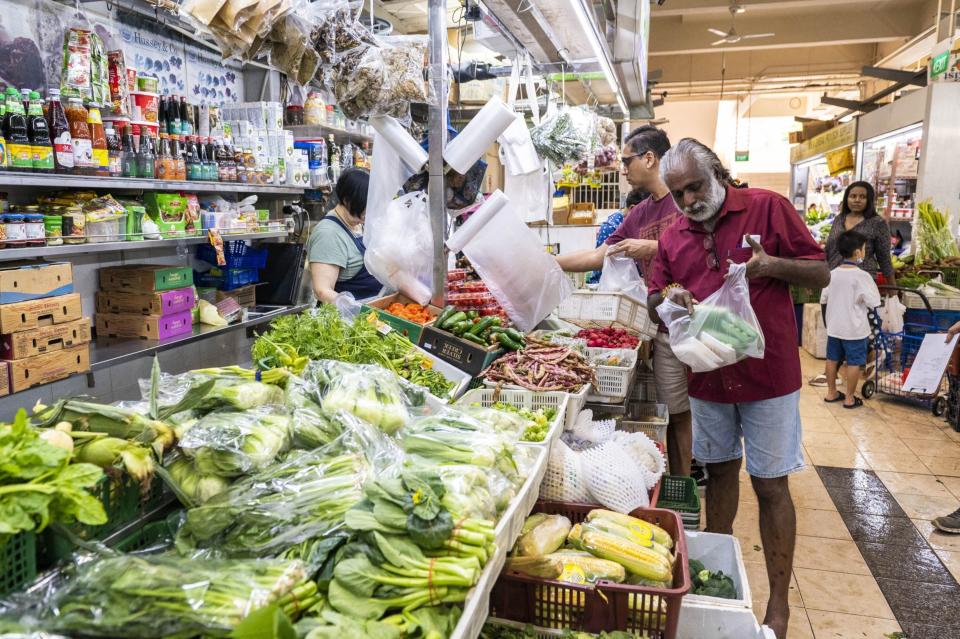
point(814, 332)
point(43, 334)
point(149, 302)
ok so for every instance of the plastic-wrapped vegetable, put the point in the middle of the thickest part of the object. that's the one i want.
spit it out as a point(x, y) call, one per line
point(568, 135)
point(196, 486)
point(229, 444)
point(545, 537)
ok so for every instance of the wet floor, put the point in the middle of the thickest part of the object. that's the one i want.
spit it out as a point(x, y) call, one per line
point(868, 562)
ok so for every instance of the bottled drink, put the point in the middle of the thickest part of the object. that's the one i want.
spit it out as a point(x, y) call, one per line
point(179, 158)
point(19, 151)
point(194, 167)
point(146, 158)
point(173, 116)
point(25, 99)
point(162, 113)
point(40, 144)
point(114, 151)
point(128, 156)
point(334, 160)
point(210, 169)
point(80, 137)
point(98, 140)
point(60, 133)
point(186, 117)
point(165, 168)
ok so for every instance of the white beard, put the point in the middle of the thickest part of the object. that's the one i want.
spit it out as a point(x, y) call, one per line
point(711, 204)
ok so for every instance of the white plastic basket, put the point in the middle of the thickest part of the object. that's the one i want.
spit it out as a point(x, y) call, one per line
point(655, 430)
point(530, 400)
point(745, 630)
point(575, 401)
point(449, 371)
point(511, 521)
point(613, 382)
point(591, 309)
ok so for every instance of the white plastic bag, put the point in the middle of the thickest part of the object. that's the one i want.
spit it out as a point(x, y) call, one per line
point(620, 275)
point(891, 314)
point(399, 245)
point(511, 259)
point(517, 152)
point(530, 194)
point(722, 330)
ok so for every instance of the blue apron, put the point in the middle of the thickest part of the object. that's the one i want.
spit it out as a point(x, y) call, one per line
point(362, 285)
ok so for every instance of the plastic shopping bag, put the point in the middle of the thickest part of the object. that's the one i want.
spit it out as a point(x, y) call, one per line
point(510, 258)
point(620, 275)
point(891, 314)
point(399, 244)
point(722, 330)
point(530, 194)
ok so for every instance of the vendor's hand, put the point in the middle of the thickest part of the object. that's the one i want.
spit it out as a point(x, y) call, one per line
point(759, 264)
point(682, 297)
point(952, 331)
point(635, 249)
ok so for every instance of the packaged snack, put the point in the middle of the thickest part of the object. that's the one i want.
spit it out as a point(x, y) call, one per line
point(75, 74)
point(119, 93)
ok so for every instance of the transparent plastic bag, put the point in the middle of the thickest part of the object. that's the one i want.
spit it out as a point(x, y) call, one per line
point(620, 275)
point(530, 193)
point(229, 444)
point(568, 134)
point(500, 246)
point(891, 314)
point(722, 330)
point(399, 242)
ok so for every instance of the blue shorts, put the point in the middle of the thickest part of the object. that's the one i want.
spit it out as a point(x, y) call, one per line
point(769, 429)
point(853, 351)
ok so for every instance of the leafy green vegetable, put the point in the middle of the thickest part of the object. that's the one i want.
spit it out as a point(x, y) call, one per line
point(38, 485)
point(710, 584)
point(229, 444)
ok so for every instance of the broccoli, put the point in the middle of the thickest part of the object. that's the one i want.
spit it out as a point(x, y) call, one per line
point(711, 584)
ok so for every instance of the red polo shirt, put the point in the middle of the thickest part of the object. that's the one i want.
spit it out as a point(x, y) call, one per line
point(682, 258)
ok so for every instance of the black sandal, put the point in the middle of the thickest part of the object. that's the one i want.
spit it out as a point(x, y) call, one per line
point(857, 403)
point(839, 398)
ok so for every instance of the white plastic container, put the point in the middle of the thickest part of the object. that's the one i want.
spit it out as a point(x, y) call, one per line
point(592, 309)
point(530, 400)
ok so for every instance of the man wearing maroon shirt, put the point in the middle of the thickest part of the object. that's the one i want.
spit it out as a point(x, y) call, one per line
point(637, 237)
point(756, 400)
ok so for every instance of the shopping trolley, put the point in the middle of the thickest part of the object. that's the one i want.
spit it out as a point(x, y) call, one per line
point(895, 353)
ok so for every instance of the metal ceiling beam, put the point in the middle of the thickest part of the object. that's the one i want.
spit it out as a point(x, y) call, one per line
point(916, 78)
point(688, 8)
point(852, 105)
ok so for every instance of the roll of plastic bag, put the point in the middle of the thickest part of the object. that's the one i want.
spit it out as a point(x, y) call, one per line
point(511, 260)
point(482, 131)
point(396, 157)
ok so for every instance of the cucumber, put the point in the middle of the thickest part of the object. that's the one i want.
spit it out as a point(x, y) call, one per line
point(473, 315)
point(476, 339)
point(508, 343)
point(444, 315)
point(448, 323)
point(461, 327)
point(515, 335)
point(482, 325)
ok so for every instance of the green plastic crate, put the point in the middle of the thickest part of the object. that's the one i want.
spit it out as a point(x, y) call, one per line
point(680, 494)
point(805, 295)
point(120, 497)
point(144, 536)
point(18, 562)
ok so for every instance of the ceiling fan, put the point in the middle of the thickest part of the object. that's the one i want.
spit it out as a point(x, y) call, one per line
point(731, 36)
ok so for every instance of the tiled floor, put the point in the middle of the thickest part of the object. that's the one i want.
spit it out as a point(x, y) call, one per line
point(868, 563)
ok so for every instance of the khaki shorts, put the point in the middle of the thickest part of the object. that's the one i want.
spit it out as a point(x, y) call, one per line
point(670, 376)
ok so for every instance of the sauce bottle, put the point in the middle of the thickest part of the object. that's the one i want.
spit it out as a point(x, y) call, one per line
point(146, 158)
point(114, 151)
point(173, 116)
point(209, 160)
point(40, 144)
point(179, 157)
point(19, 151)
point(98, 140)
point(186, 117)
point(128, 157)
point(165, 168)
point(63, 160)
point(80, 137)
point(194, 167)
point(25, 99)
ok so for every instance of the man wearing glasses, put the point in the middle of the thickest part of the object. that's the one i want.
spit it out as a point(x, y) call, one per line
point(637, 237)
point(757, 400)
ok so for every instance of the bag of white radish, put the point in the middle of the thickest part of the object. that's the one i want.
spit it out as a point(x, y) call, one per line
point(722, 330)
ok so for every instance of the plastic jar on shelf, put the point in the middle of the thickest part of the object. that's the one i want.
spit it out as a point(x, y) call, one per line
point(74, 225)
point(16, 230)
point(53, 229)
point(314, 110)
point(33, 221)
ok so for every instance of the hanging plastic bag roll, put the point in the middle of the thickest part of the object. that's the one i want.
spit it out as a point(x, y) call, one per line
point(509, 257)
point(412, 154)
point(482, 131)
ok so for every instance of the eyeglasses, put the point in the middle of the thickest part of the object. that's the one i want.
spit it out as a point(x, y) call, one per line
point(710, 245)
point(625, 159)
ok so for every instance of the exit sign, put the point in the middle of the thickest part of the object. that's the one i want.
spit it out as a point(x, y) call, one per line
point(741, 156)
point(939, 64)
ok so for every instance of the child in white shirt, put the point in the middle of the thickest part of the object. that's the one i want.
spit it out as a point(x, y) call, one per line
point(851, 293)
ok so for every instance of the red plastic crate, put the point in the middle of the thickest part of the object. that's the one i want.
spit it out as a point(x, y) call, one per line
point(604, 606)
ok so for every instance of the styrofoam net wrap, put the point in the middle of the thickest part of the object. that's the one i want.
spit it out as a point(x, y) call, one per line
point(614, 479)
point(589, 432)
point(564, 479)
point(644, 454)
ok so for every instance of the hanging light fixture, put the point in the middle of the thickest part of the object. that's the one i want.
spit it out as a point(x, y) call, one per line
point(596, 43)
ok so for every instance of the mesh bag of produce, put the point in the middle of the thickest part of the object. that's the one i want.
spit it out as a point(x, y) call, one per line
point(614, 478)
point(564, 479)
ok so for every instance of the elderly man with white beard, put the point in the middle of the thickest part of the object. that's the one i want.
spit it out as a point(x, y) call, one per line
point(751, 407)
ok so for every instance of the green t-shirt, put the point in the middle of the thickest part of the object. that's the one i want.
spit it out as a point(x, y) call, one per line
point(330, 244)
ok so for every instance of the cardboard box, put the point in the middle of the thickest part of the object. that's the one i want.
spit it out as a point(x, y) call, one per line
point(169, 302)
point(43, 369)
point(410, 330)
point(4, 379)
point(45, 340)
point(467, 356)
point(245, 296)
point(144, 326)
point(20, 281)
point(25, 316)
point(814, 339)
point(138, 279)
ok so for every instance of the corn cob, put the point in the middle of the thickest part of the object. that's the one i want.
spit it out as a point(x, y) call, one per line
point(607, 526)
point(592, 568)
point(645, 562)
point(639, 526)
point(573, 537)
point(543, 567)
point(532, 522)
